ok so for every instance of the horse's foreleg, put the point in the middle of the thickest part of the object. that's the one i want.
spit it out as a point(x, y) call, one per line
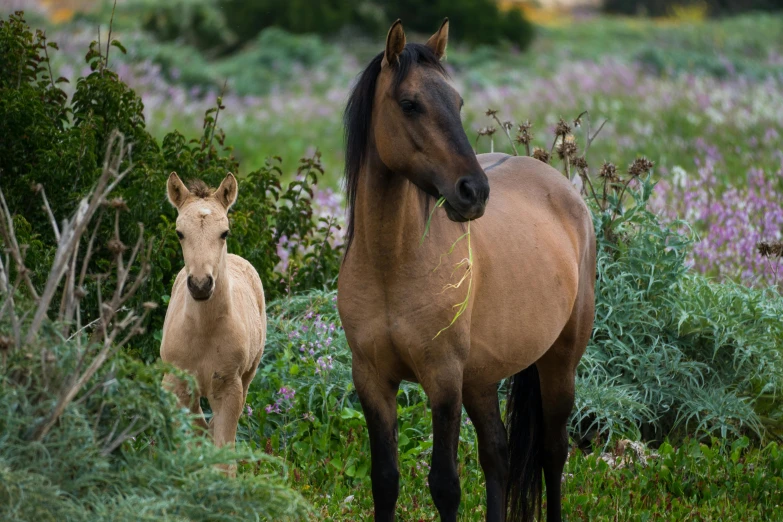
point(186, 398)
point(445, 393)
point(484, 411)
point(226, 401)
point(379, 403)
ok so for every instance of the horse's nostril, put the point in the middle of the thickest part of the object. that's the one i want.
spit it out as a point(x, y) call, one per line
point(465, 190)
point(210, 282)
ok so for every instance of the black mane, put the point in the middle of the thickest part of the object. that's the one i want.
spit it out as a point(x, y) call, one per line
point(358, 115)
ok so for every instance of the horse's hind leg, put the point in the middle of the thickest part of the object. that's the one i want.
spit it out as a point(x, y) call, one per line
point(379, 403)
point(484, 411)
point(557, 372)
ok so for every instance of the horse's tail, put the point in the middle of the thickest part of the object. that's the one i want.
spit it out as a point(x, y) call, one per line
point(525, 426)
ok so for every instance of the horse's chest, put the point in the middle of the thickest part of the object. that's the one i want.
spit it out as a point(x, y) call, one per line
point(395, 325)
point(203, 352)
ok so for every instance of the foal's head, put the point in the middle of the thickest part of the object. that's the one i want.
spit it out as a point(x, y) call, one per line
point(202, 228)
point(414, 120)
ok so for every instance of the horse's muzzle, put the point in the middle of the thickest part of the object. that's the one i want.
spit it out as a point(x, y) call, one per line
point(471, 194)
point(201, 289)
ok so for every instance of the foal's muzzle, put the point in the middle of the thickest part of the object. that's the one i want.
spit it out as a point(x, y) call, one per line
point(201, 289)
point(471, 194)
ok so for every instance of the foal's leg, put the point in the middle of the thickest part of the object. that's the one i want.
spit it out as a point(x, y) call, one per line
point(444, 390)
point(226, 401)
point(484, 411)
point(186, 399)
point(379, 403)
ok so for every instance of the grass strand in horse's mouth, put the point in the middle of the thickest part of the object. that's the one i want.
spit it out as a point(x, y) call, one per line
point(466, 262)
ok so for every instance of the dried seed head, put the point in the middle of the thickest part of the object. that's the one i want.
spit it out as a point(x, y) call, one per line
point(36, 187)
point(580, 163)
point(774, 249)
point(608, 171)
point(118, 203)
point(524, 136)
point(487, 131)
point(6, 343)
point(567, 148)
point(562, 128)
point(149, 305)
point(541, 154)
point(491, 112)
point(116, 247)
point(640, 166)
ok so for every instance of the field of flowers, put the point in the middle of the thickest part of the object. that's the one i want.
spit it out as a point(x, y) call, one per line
point(678, 396)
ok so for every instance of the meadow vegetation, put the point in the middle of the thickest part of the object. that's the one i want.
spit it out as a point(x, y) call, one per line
point(678, 412)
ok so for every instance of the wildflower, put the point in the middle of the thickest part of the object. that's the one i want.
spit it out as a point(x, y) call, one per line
point(249, 410)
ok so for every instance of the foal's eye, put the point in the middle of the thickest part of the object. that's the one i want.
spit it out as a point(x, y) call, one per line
point(408, 107)
point(180, 235)
point(224, 235)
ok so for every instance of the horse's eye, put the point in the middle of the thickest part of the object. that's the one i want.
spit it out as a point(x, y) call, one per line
point(408, 107)
point(224, 235)
point(180, 235)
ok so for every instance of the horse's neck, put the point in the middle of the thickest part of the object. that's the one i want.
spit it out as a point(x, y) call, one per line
point(388, 218)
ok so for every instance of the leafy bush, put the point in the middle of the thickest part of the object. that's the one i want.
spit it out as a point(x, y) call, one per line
point(61, 143)
point(473, 21)
point(667, 7)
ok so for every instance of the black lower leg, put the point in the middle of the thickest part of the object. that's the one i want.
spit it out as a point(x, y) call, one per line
point(380, 412)
point(443, 477)
point(484, 412)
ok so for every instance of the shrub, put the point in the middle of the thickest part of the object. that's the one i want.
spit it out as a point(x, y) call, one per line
point(61, 143)
point(87, 432)
point(473, 21)
point(667, 7)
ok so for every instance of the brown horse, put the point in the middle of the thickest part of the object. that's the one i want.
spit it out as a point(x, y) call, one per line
point(531, 304)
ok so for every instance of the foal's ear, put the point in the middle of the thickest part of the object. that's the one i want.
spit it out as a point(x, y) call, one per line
point(226, 193)
point(439, 40)
point(176, 190)
point(395, 43)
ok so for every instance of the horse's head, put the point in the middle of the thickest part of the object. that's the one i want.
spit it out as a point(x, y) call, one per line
point(417, 126)
point(202, 228)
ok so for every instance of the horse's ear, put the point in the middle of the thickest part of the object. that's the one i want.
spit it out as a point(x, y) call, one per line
point(395, 43)
point(176, 190)
point(439, 40)
point(227, 191)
